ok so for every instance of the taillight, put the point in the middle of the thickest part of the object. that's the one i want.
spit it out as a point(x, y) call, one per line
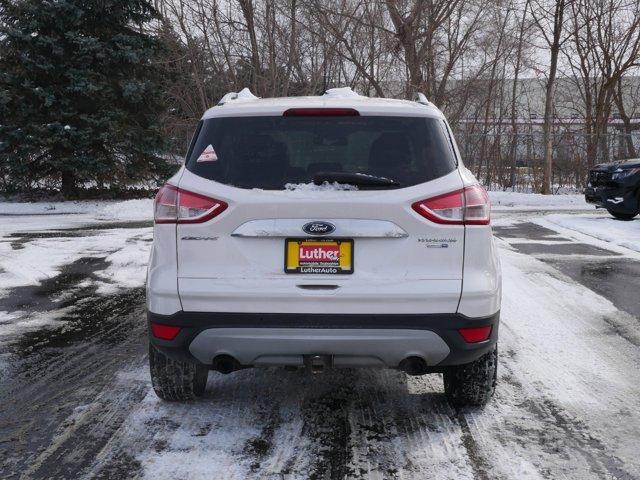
point(469, 206)
point(174, 205)
point(475, 334)
point(165, 206)
point(477, 207)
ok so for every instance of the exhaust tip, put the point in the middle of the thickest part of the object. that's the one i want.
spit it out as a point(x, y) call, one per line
point(225, 364)
point(414, 366)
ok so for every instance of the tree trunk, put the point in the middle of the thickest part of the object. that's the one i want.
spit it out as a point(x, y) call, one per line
point(626, 120)
point(405, 32)
point(514, 92)
point(248, 13)
point(549, 103)
point(293, 41)
point(68, 187)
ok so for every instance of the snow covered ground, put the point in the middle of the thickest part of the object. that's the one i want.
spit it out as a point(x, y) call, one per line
point(501, 201)
point(141, 209)
point(37, 246)
point(76, 402)
point(623, 233)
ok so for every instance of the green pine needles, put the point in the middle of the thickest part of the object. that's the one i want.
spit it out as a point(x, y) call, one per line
point(80, 96)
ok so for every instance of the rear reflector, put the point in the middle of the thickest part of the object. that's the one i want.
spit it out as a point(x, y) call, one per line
point(164, 332)
point(469, 206)
point(175, 205)
point(475, 334)
point(321, 112)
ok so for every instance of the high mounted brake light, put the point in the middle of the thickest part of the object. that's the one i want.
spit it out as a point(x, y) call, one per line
point(321, 112)
point(468, 206)
point(175, 205)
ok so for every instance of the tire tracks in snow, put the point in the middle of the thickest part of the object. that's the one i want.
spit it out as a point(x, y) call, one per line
point(58, 407)
point(80, 405)
point(555, 431)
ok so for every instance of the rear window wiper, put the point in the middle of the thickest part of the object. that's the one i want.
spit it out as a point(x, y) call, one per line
point(357, 179)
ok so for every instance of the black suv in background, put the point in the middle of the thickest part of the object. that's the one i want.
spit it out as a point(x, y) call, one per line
point(616, 187)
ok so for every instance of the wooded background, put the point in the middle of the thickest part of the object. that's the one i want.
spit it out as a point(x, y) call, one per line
point(536, 91)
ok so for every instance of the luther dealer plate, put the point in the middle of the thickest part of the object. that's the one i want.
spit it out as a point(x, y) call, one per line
point(318, 256)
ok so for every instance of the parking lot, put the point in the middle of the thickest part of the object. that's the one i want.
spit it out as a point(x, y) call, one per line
point(76, 401)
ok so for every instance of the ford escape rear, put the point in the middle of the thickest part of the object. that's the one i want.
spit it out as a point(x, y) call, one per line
point(330, 231)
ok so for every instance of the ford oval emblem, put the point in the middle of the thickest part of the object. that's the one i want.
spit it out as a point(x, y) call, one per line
point(318, 228)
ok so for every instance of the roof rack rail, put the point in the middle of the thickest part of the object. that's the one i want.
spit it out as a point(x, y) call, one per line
point(244, 94)
point(421, 98)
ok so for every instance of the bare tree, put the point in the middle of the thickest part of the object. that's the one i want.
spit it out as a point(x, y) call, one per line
point(472, 58)
point(605, 47)
point(552, 32)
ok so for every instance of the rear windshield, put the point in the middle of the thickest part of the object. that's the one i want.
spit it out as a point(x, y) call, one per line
point(275, 153)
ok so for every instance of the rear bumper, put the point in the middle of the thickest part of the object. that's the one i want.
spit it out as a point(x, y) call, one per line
point(350, 339)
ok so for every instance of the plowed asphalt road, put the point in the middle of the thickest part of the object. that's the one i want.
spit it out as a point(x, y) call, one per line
point(76, 400)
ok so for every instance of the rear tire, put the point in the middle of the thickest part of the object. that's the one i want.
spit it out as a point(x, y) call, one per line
point(472, 384)
point(173, 380)
point(622, 216)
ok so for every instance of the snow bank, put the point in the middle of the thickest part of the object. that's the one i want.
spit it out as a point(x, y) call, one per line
point(141, 209)
point(624, 234)
point(536, 201)
point(128, 210)
point(48, 208)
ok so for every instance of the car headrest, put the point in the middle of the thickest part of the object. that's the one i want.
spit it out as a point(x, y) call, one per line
point(390, 150)
point(260, 151)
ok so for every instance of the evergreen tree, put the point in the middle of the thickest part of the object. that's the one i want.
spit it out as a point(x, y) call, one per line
point(79, 92)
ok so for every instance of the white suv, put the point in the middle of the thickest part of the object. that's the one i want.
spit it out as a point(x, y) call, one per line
point(319, 232)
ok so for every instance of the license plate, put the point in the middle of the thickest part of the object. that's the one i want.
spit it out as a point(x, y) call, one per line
point(318, 256)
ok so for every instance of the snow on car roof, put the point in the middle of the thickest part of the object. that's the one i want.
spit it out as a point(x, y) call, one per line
point(244, 103)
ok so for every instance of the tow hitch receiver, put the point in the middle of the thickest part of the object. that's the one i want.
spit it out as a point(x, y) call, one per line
point(318, 363)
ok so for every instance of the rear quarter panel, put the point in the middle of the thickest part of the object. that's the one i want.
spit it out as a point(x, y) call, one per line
point(482, 277)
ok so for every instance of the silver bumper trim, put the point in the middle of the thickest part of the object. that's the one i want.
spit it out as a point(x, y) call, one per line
point(349, 347)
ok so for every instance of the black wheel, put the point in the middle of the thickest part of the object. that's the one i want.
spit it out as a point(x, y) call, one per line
point(174, 380)
point(472, 384)
point(622, 216)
